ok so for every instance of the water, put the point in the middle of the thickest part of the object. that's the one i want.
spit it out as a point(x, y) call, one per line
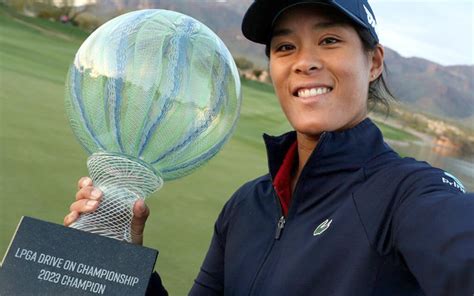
point(461, 167)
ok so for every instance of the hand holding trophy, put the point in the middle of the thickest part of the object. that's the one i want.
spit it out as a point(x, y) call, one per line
point(151, 95)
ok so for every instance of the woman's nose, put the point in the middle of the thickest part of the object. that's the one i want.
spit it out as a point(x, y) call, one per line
point(307, 63)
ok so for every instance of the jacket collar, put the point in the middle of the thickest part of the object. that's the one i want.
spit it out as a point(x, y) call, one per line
point(348, 149)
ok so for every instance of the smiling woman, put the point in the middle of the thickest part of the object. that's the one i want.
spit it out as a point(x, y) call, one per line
point(316, 90)
point(339, 213)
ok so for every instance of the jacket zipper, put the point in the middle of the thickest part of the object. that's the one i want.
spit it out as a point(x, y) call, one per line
point(282, 220)
point(280, 225)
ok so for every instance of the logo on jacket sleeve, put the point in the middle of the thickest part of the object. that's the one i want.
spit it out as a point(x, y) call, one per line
point(453, 182)
point(322, 227)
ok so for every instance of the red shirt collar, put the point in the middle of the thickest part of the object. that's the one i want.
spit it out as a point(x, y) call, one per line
point(282, 181)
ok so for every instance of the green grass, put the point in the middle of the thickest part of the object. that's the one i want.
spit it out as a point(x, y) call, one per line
point(394, 133)
point(40, 159)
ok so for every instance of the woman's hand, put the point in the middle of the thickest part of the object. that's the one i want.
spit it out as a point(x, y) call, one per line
point(88, 199)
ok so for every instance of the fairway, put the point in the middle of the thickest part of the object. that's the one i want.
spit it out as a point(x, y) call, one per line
point(41, 160)
point(394, 133)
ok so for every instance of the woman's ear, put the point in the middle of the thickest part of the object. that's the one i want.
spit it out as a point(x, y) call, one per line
point(377, 57)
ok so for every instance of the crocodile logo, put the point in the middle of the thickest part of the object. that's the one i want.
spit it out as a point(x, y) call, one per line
point(322, 227)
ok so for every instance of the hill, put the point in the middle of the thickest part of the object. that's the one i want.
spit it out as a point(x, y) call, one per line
point(430, 87)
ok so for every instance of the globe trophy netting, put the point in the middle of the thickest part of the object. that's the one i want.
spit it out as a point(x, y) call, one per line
point(156, 88)
point(124, 180)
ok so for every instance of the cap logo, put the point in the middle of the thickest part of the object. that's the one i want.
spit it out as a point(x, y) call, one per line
point(370, 18)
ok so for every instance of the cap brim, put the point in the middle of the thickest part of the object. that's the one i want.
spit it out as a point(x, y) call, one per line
point(259, 18)
point(256, 24)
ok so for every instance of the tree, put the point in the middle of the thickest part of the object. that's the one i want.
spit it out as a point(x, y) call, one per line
point(72, 11)
point(20, 5)
point(243, 64)
point(257, 72)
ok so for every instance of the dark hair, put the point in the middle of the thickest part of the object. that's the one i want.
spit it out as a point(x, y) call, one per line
point(379, 93)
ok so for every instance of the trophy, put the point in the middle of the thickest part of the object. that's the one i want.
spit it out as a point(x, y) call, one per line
point(151, 95)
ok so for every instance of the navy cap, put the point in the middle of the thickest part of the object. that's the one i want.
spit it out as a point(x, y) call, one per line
point(261, 15)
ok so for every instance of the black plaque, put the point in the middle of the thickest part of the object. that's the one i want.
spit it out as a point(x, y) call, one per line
point(49, 259)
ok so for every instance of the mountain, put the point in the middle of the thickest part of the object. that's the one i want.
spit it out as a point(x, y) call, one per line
point(446, 91)
point(441, 90)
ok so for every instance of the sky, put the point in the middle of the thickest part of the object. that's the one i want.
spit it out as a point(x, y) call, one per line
point(438, 30)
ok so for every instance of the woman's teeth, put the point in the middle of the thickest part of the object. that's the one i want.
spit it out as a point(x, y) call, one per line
point(311, 92)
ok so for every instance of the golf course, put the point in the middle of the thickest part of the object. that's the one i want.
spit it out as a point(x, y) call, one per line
point(41, 160)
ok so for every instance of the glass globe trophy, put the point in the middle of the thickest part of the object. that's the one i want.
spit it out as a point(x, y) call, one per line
point(151, 95)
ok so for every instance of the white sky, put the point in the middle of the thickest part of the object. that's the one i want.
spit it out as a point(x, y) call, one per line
point(438, 30)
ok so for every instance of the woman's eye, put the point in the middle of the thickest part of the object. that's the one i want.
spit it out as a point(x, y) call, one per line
point(329, 40)
point(285, 47)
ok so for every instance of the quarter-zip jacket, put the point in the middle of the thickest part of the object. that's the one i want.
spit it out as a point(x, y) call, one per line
point(362, 221)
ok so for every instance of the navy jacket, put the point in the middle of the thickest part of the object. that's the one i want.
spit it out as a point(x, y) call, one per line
point(362, 221)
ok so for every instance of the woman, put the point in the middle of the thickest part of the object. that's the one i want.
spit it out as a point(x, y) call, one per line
point(339, 213)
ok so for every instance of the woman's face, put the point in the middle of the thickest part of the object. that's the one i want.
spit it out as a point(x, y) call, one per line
point(320, 71)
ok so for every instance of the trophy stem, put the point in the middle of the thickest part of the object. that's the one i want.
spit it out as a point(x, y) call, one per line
point(122, 180)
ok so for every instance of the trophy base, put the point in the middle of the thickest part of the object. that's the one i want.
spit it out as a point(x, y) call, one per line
point(49, 259)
